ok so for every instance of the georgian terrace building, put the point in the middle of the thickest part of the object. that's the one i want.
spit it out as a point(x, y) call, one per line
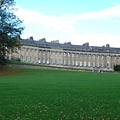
point(68, 55)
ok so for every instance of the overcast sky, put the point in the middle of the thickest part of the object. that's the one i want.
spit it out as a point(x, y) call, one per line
point(78, 21)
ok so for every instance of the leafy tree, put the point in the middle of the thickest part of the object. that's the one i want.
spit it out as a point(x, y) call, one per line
point(10, 29)
point(116, 67)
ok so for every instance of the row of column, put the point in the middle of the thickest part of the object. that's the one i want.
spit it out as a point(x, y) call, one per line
point(69, 57)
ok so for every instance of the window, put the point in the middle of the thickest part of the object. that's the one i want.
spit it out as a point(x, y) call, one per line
point(97, 64)
point(64, 54)
point(80, 63)
point(30, 50)
point(89, 56)
point(72, 62)
point(68, 62)
point(22, 58)
point(108, 64)
point(38, 60)
point(59, 61)
point(77, 55)
point(84, 63)
point(43, 52)
point(68, 54)
point(47, 60)
point(81, 55)
point(114, 56)
point(64, 62)
point(26, 58)
point(89, 64)
point(93, 56)
point(23, 49)
point(76, 63)
point(55, 61)
point(118, 56)
point(56, 53)
point(30, 59)
point(72, 54)
point(101, 65)
point(51, 61)
point(51, 52)
point(34, 59)
point(85, 55)
point(43, 60)
point(97, 56)
point(26, 49)
point(39, 51)
point(34, 51)
point(108, 57)
point(47, 52)
point(102, 56)
point(61, 53)
point(93, 64)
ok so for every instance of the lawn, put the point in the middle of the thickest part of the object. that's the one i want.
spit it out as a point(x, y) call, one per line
point(36, 94)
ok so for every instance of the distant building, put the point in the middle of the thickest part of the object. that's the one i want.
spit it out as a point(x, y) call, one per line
point(81, 56)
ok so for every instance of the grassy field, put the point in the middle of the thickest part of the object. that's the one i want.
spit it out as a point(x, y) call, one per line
point(36, 94)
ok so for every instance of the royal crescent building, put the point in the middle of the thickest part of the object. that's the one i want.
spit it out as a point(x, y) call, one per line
point(68, 55)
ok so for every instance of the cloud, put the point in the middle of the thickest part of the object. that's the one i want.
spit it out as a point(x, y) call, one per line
point(67, 21)
point(36, 17)
point(113, 3)
point(95, 39)
point(64, 27)
point(106, 14)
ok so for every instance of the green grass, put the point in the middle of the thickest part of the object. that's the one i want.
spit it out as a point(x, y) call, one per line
point(38, 94)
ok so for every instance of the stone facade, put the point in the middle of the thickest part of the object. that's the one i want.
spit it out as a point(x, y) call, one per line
point(81, 56)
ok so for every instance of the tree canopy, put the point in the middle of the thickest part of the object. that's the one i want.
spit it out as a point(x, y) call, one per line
point(10, 29)
point(116, 67)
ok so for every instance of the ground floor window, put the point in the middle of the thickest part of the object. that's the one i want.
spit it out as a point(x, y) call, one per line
point(30, 59)
point(26, 58)
point(84, 63)
point(93, 64)
point(97, 64)
point(34, 59)
point(60, 62)
point(55, 61)
point(47, 60)
point(101, 64)
point(68, 62)
point(38, 60)
point(88, 64)
point(64, 62)
point(76, 63)
point(51, 61)
point(72, 62)
point(43, 60)
point(80, 63)
point(108, 64)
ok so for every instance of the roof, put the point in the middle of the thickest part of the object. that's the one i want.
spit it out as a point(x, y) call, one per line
point(69, 46)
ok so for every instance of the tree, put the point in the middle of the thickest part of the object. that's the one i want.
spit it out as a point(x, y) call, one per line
point(10, 29)
point(116, 67)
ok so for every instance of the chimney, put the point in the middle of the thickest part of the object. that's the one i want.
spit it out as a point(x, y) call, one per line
point(42, 40)
point(55, 41)
point(31, 38)
point(107, 45)
point(86, 44)
point(69, 43)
